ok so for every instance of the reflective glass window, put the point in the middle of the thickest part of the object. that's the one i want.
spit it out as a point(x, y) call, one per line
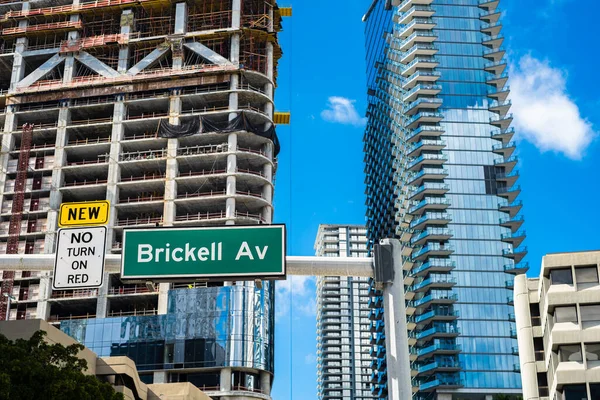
point(565, 314)
point(574, 392)
point(586, 277)
point(592, 354)
point(561, 276)
point(570, 353)
point(590, 316)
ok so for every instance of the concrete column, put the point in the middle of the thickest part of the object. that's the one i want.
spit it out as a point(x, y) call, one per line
point(163, 296)
point(102, 300)
point(126, 29)
point(60, 160)
point(70, 59)
point(236, 7)
point(267, 192)
point(270, 60)
point(180, 29)
point(172, 165)
point(18, 66)
point(225, 381)
point(231, 179)
point(265, 382)
point(114, 170)
point(43, 307)
point(396, 336)
point(8, 142)
point(525, 339)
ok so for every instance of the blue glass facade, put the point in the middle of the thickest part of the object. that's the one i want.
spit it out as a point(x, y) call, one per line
point(440, 177)
point(215, 327)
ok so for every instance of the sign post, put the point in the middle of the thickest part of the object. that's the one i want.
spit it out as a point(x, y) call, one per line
point(79, 259)
point(242, 252)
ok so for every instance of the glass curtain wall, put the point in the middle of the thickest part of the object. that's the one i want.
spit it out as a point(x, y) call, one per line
point(440, 175)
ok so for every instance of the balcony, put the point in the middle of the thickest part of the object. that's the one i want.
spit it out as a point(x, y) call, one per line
point(500, 107)
point(489, 4)
point(429, 174)
point(427, 159)
point(428, 189)
point(417, 63)
point(492, 29)
point(511, 316)
point(424, 130)
point(407, 4)
point(515, 254)
point(422, 89)
point(439, 348)
point(516, 268)
point(513, 223)
point(515, 239)
point(405, 45)
point(432, 250)
point(502, 122)
point(418, 50)
point(436, 234)
point(423, 103)
point(434, 299)
point(509, 179)
point(500, 93)
point(507, 163)
point(416, 11)
point(509, 193)
point(511, 208)
point(417, 24)
point(446, 383)
point(425, 145)
point(435, 281)
point(504, 149)
point(421, 76)
point(491, 16)
point(497, 80)
point(510, 300)
point(504, 135)
point(494, 54)
point(493, 41)
point(439, 366)
point(434, 265)
point(429, 203)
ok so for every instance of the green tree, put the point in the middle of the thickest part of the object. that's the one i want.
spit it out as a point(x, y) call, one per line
point(33, 369)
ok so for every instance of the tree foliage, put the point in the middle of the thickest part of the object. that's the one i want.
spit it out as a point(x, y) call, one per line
point(33, 369)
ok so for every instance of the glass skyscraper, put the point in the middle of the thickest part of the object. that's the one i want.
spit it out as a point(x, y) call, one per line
point(440, 177)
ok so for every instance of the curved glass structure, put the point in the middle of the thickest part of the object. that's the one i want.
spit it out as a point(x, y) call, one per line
point(441, 179)
point(226, 326)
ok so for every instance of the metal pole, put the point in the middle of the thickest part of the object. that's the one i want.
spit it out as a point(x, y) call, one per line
point(396, 335)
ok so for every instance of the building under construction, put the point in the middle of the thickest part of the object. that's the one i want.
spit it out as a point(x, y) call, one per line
point(164, 108)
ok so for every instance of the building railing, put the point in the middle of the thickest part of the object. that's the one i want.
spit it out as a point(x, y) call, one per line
point(86, 182)
point(88, 141)
point(68, 294)
point(140, 199)
point(56, 318)
point(132, 313)
point(138, 221)
point(145, 177)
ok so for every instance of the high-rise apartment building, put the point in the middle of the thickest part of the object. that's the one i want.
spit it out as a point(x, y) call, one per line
point(164, 108)
point(343, 335)
point(440, 176)
point(558, 327)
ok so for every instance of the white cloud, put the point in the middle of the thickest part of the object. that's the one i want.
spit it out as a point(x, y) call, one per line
point(342, 111)
point(543, 112)
point(300, 289)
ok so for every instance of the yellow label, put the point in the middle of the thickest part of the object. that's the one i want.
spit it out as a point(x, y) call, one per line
point(85, 213)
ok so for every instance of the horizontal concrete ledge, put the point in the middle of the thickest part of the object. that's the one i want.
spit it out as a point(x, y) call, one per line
point(296, 265)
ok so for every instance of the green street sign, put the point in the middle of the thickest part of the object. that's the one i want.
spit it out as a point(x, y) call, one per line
point(245, 252)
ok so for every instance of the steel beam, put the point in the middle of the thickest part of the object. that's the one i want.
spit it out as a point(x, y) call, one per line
point(150, 59)
point(96, 65)
point(207, 53)
point(41, 71)
point(296, 265)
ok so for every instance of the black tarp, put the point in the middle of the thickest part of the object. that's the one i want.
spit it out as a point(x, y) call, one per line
point(203, 124)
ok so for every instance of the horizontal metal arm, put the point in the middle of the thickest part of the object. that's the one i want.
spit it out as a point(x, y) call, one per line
point(296, 265)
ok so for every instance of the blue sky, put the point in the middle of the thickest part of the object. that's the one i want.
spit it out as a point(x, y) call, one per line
point(551, 47)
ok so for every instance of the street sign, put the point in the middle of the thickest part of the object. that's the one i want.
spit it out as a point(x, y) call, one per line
point(79, 259)
point(245, 252)
point(85, 213)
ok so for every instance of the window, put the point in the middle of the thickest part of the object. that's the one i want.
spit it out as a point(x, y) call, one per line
point(592, 354)
point(574, 392)
point(561, 276)
point(590, 316)
point(565, 314)
point(570, 353)
point(586, 277)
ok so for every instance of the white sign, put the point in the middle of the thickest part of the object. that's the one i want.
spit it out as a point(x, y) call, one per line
point(79, 258)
